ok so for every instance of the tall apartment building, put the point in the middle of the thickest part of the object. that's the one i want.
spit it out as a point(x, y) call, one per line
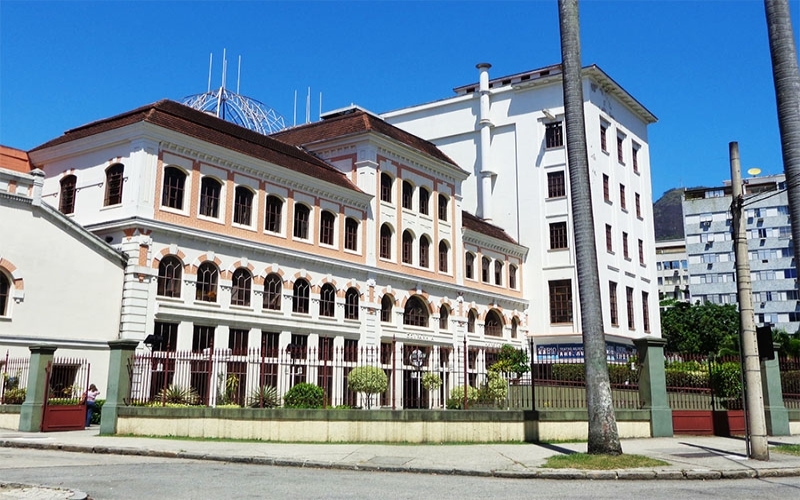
point(673, 270)
point(508, 133)
point(709, 246)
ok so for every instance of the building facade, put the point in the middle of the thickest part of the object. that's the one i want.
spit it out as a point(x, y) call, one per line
point(508, 133)
point(672, 266)
point(709, 247)
point(242, 241)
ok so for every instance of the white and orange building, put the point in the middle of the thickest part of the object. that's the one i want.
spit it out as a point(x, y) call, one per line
point(348, 229)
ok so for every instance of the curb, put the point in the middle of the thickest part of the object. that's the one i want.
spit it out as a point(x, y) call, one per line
point(558, 474)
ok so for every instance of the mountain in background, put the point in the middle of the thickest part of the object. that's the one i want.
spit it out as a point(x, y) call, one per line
point(668, 215)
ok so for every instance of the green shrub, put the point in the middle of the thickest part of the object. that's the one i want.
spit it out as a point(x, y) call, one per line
point(368, 380)
point(790, 381)
point(304, 395)
point(494, 390)
point(679, 378)
point(726, 380)
point(177, 394)
point(511, 360)
point(15, 396)
point(574, 372)
point(456, 400)
point(267, 393)
point(98, 408)
point(620, 374)
point(686, 366)
point(431, 381)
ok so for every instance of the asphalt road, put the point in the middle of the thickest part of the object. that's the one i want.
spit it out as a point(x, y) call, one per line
point(128, 477)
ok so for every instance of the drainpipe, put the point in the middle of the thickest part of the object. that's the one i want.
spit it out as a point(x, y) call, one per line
point(485, 125)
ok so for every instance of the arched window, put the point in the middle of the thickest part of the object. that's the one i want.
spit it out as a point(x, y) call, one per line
point(272, 222)
point(66, 204)
point(408, 246)
point(424, 201)
point(386, 242)
point(351, 234)
point(5, 291)
point(210, 190)
point(424, 251)
point(486, 263)
point(114, 179)
point(387, 305)
point(493, 326)
point(301, 215)
point(444, 315)
point(469, 266)
point(408, 195)
point(207, 275)
point(300, 296)
point(512, 277)
point(386, 187)
point(471, 317)
point(351, 303)
point(242, 284)
point(444, 251)
point(416, 313)
point(172, 194)
point(498, 272)
point(327, 223)
point(442, 207)
point(327, 300)
point(243, 206)
point(273, 286)
point(514, 326)
point(170, 271)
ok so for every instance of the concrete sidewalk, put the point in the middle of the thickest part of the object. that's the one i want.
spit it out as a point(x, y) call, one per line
point(690, 457)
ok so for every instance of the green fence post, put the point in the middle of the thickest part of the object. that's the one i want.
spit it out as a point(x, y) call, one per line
point(774, 410)
point(119, 383)
point(653, 385)
point(30, 414)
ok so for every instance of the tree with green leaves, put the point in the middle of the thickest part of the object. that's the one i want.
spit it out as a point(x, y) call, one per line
point(700, 328)
point(368, 380)
point(603, 433)
point(511, 360)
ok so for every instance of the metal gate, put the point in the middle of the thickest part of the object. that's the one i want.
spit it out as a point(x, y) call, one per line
point(66, 382)
point(705, 394)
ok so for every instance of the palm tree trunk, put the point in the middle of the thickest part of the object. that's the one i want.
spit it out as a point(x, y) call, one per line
point(787, 93)
point(603, 435)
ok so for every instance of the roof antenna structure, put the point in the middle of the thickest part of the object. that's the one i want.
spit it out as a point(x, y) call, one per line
point(234, 107)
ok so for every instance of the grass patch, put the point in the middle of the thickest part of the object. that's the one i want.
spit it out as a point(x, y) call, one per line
point(600, 462)
point(791, 449)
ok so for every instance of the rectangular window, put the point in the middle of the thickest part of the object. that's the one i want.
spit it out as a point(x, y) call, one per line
point(638, 205)
point(560, 301)
point(554, 136)
point(629, 298)
point(603, 144)
point(622, 197)
point(625, 246)
point(202, 338)
point(606, 191)
point(646, 311)
point(641, 252)
point(556, 187)
point(166, 337)
point(609, 241)
point(237, 341)
point(558, 235)
point(635, 157)
point(620, 153)
point(612, 295)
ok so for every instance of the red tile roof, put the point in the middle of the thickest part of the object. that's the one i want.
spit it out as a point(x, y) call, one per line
point(185, 120)
point(473, 223)
point(14, 159)
point(353, 122)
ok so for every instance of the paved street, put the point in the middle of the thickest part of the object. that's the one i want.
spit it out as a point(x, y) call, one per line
point(132, 477)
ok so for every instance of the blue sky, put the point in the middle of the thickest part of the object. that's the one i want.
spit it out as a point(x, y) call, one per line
point(703, 68)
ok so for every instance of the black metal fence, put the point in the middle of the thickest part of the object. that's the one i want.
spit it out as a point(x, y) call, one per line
point(790, 381)
point(699, 382)
point(14, 380)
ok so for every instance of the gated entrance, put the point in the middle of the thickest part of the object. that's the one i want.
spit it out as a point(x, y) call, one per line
point(66, 381)
point(705, 394)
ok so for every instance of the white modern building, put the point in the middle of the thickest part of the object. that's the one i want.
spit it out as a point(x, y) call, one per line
point(672, 266)
point(709, 246)
point(508, 133)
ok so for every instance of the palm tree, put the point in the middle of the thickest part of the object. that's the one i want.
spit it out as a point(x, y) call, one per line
point(603, 435)
point(787, 93)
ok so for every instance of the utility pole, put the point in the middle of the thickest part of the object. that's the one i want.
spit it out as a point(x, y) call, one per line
point(751, 364)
